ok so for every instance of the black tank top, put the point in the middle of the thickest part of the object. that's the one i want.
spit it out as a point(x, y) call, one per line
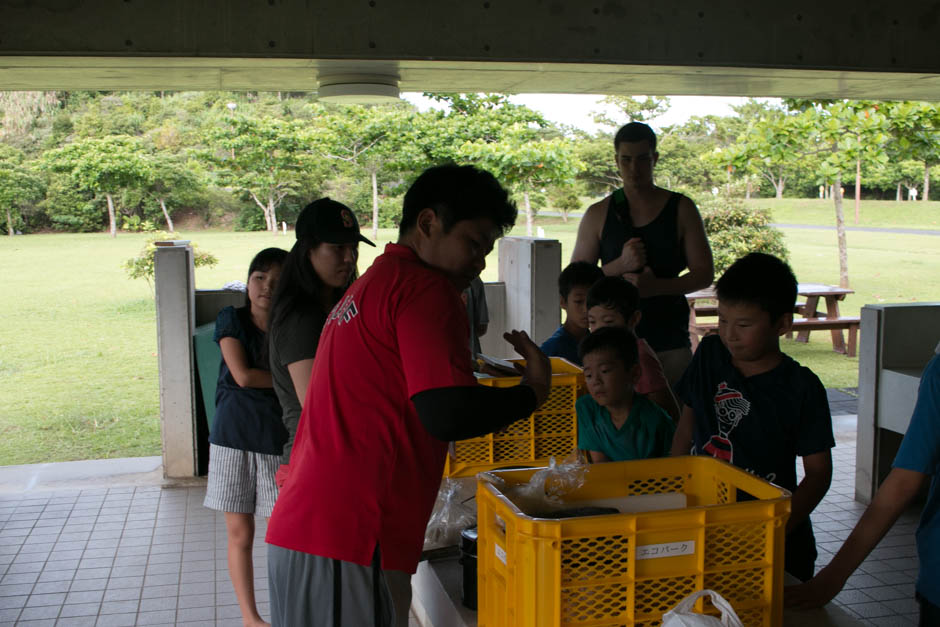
point(665, 321)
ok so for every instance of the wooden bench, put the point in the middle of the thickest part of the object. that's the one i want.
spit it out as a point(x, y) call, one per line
point(712, 310)
point(803, 324)
point(832, 324)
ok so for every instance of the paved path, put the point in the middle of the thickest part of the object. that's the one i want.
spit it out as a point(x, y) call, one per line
point(866, 229)
point(576, 215)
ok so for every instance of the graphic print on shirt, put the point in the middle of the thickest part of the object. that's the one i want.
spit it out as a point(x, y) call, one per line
point(345, 311)
point(730, 408)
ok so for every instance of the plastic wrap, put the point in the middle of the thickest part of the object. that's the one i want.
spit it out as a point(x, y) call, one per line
point(543, 493)
point(449, 517)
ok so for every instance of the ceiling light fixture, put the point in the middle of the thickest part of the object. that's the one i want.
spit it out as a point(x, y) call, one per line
point(358, 88)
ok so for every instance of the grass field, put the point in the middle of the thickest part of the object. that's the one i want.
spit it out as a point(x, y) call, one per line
point(878, 213)
point(78, 340)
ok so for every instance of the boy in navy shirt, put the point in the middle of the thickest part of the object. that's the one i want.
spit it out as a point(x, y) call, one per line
point(749, 404)
point(573, 284)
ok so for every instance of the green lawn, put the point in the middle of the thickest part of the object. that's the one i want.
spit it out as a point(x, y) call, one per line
point(78, 339)
point(878, 213)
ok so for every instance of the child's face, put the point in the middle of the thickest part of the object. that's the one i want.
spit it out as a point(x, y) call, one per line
point(600, 316)
point(335, 264)
point(747, 330)
point(261, 287)
point(608, 380)
point(575, 307)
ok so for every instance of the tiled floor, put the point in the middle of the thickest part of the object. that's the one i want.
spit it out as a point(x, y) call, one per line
point(881, 592)
point(155, 556)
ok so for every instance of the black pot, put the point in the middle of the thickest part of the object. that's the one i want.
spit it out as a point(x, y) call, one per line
point(468, 559)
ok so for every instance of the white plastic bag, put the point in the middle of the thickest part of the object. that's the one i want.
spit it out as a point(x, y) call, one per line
point(683, 616)
point(450, 516)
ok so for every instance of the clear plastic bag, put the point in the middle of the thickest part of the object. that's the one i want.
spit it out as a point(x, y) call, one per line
point(449, 517)
point(543, 493)
point(683, 616)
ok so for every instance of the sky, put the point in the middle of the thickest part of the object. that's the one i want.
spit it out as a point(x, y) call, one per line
point(576, 109)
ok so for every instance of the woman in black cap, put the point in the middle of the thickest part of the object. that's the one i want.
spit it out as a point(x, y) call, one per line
point(316, 273)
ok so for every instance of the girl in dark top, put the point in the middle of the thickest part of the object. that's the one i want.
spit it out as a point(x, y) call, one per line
point(318, 269)
point(247, 434)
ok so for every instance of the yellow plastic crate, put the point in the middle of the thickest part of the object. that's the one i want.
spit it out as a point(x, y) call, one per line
point(629, 569)
point(551, 431)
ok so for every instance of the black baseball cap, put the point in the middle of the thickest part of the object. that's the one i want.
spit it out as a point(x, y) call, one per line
point(329, 221)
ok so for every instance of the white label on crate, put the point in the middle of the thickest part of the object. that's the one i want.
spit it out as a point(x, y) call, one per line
point(500, 553)
point(669, 549)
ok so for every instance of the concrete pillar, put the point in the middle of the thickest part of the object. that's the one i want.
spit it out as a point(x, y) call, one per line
point(897, 341)
point(869, 367)
point(529, 267)
point(175, 301)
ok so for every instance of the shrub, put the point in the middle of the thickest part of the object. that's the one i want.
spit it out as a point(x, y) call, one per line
point(142, 266)
point(565, 199)
point(734, 230)
point(70, 209)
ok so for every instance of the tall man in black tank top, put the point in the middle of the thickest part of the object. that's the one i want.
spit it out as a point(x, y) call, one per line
point(649, 235)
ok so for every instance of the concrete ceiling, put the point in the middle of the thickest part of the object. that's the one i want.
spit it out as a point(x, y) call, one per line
point(172, 73)
point(801, 48)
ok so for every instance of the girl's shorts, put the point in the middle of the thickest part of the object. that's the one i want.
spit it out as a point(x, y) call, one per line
point(241, 482)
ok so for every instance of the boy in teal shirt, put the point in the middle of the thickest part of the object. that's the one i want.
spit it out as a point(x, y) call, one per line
point(614, 422)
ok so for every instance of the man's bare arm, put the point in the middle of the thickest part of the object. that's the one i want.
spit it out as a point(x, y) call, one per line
point(587, 245)
point(893, 497)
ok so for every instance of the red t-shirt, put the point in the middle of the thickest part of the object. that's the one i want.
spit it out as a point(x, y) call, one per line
point(652, 378)
point(364, 471)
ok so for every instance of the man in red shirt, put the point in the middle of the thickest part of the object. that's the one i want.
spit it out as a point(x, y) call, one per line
point(391, 385)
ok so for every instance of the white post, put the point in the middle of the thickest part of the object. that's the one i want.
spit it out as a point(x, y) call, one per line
point(492, 343)
point(175, 301)
point(530, 267)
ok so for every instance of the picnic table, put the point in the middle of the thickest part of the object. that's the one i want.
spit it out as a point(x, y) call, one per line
point(812, 319)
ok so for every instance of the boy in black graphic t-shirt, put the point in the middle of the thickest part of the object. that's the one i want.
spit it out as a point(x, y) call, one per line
point(749, 404)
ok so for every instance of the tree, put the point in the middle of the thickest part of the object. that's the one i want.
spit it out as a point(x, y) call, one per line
point(843, 133)
point(633, 109)
point(600, 175)
point(371, 140)
point(564, 198)
point(265, 157)
point(172, 180)
point(770, 148)
point(915, 127)
point(507, 139)
point(894, 175)
point(20, 187)
point(102, 166)
point(482, 118)
point(687, 156)
point(525, 163)
point(21, 111)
